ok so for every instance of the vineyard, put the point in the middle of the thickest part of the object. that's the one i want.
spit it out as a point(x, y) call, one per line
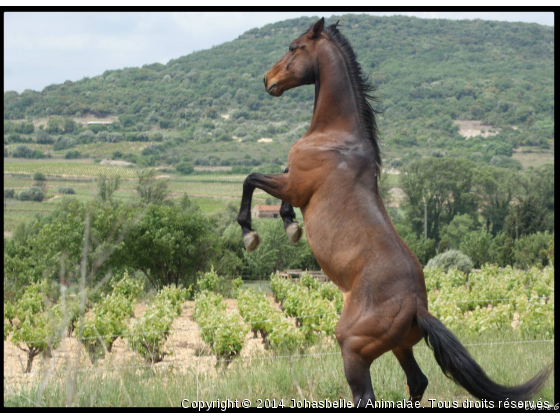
point(210, 191)
point(195, 335)
point(67, 169)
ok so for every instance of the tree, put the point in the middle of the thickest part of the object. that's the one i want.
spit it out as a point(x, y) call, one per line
point(534, 211)
point(170, 245)
point(476, 245)
point(495, 188)
point(533, 250)
point(42, 248)
point(528, 217)
point(69, 125)
point(445, 184)
point(32, 324)
point(455, 231)
point(34, 193)
point(38, 176)
point(185, 167)
point(501, 250)
point(150, 188)
point(22, 151)
point(43, 137)
point(107, 186)
point(72, 154)
point(211, 113)
point(126, 120)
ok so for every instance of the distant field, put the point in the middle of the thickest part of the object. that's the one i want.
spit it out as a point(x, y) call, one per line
point(211, 192)
point(534, 159)
point(65, 168)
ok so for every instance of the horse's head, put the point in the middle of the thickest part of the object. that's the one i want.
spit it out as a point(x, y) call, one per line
point(297, 67)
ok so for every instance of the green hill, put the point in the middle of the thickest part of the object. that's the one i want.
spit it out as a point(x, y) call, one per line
point(430, 74)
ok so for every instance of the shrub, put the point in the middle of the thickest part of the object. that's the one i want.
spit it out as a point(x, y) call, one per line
point(72, 154)
point(115, 137)
point(533, 250)
point(452, 258)
point(149, 334)
point(102, 136)
point(99, 330)
point(8, 193)
point(86, 137)
point(212, 282)
point(107, 186)
point(506, 162)
point(32, 194)
point(66, 190)
point(501, 250)
point(476, 245)
point(22, 151)
point(65, 142)
point(224, 333)
point(16, 138)
point(456, 230)
point(185, 167)
point(314, 314)
point(38, 176)
point(424, 249)
point(43, 137)
point(31, 324)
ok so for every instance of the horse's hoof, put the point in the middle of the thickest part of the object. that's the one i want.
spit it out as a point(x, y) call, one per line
point(294, 232)
point(251, 241)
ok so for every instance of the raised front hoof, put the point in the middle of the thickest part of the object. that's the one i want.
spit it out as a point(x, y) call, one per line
point(251, 241)
point(294, 232)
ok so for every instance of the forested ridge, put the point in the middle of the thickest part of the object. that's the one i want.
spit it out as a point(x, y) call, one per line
point(429, 73)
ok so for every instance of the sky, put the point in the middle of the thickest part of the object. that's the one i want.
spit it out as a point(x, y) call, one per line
point(42, 48)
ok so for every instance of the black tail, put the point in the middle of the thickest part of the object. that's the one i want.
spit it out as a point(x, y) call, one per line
point(457, 364)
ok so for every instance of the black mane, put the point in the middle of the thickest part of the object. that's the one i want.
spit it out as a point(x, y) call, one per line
point(363, 89)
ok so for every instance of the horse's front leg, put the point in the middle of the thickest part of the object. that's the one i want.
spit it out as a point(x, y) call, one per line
point(274, 184)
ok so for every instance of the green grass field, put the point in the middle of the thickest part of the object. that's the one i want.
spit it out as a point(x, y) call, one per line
point(312, 376)
point(211, 192)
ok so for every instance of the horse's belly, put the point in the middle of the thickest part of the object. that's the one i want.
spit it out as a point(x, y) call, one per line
point(351, 242)
point(339, 249)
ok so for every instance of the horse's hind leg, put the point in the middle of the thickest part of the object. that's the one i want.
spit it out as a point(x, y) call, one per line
point(292, 228)
point(356, 369)
point(416, 380)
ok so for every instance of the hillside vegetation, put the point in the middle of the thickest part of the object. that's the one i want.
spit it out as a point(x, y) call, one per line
point(430, 73)
point(458, 99)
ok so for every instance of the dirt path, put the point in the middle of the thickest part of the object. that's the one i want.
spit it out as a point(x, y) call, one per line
point(54, 197)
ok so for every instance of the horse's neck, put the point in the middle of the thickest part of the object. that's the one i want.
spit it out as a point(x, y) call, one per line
point(335, 104)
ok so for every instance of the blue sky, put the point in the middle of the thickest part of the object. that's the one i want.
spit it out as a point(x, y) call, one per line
point(50, 47)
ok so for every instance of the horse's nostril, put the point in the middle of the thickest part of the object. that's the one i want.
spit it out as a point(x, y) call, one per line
point(264, 80)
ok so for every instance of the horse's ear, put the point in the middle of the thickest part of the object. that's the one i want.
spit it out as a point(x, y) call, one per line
point(317, 28)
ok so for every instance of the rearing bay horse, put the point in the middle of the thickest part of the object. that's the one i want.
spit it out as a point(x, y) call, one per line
point(333, 175)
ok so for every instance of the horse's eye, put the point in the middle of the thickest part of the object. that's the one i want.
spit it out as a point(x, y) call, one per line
point(292, 49)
